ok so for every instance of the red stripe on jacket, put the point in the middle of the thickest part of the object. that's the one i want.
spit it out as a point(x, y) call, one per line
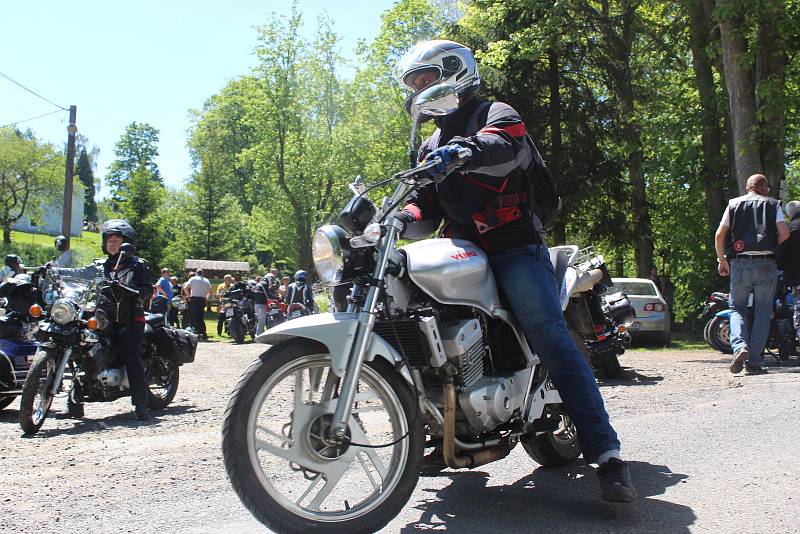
point(515, 130)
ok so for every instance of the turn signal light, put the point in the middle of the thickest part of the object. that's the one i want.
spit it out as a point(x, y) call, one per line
point(92, 324)
point(35, 311)
point(621, 329)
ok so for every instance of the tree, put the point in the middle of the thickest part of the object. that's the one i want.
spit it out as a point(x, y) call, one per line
point(29, 176)
point(85, 172)
point(142, 197)
point(136, 149)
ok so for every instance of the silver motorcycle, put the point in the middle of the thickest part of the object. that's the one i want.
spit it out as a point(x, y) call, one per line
point(327, 429)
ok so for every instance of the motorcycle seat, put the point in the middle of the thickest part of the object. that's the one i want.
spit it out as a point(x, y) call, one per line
point(560, 259)
point(155, 320)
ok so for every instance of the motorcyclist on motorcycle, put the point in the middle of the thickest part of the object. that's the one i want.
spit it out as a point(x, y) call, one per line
point(13, 265)
point(300, 292)
point(486, 203)
point(123, 267)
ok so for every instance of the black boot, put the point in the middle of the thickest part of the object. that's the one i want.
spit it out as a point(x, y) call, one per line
point(142, 413)
point(615, 482)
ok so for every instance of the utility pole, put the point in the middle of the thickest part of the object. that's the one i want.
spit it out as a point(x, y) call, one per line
point(66, 222)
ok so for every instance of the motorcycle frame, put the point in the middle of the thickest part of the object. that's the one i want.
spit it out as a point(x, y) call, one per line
point(350, 340)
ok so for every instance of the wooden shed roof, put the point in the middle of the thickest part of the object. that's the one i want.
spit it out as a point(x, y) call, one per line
point(219, 266)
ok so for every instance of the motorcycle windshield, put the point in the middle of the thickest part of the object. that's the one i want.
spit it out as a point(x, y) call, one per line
point(75, 284)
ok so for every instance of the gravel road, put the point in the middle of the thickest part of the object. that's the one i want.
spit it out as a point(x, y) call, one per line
point(709, 451)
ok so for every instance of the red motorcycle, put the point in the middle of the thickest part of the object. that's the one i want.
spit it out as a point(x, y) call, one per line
point(276, 312)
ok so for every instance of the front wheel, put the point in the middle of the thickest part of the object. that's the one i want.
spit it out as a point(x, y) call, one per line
point(36, 398)
point(554, 449)
point(288, 473)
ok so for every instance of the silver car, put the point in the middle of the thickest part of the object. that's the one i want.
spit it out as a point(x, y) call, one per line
point(652, 314)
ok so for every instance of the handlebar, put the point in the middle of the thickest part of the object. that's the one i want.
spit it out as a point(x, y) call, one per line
point(422, 172)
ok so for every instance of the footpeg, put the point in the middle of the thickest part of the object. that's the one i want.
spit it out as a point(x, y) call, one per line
point(548, 424)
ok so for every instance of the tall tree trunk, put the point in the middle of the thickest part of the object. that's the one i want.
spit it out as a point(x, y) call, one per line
point(741, 92)
point(712, 175)
point(620, 45)
point(770, 90)
point(7, 234)
point(556, 148)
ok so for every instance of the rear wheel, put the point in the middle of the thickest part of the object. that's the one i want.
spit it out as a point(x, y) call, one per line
point(554, 449)
point(163, 376)
point(237, 330)
point(36, 398)
point(286, 471)
point(608, 366)
point(719, 334)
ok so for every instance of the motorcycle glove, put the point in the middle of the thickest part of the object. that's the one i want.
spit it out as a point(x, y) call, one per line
point(446, 154)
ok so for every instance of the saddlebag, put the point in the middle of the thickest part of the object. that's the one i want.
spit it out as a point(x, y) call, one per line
point(177, 344)
point(620, 308)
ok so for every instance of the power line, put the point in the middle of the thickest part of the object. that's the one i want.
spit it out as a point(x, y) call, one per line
point(31, 119)
point(32, 92)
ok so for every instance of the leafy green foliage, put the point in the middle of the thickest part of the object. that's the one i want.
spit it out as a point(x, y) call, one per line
point(137, 148)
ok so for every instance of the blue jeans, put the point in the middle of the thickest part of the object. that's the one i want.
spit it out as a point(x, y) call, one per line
point(750, 329)
point(526, 276)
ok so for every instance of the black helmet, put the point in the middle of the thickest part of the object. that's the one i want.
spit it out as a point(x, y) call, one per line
point(12, 260)
point(119, 227)
point(60, 243)
point(300, 276)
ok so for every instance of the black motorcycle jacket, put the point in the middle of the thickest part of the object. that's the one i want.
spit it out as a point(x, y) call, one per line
point(753, 226)
point(134, 273)
point(300, 293)
point(485, 202)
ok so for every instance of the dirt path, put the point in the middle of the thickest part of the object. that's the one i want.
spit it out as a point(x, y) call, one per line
point(109, 473)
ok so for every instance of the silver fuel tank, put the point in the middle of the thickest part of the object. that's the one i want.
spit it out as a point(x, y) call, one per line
point(453, 271)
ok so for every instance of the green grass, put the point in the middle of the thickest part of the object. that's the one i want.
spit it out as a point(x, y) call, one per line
point(679, 342)
point(85, 248)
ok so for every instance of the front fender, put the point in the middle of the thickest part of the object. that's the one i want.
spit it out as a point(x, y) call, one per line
point(724, 313)
point(337, 332)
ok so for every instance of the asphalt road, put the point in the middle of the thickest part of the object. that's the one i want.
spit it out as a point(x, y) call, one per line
point(709, 452)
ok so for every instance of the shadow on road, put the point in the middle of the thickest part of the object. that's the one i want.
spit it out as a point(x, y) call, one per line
point(88, 424)
point(553, 500)
point(630, 377)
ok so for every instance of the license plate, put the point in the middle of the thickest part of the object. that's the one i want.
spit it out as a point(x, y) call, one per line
point(273, 312)
point(635, 326)
point(229, 312)
point(295, 315)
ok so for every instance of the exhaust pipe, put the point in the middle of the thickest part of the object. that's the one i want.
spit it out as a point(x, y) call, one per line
point(471, 458)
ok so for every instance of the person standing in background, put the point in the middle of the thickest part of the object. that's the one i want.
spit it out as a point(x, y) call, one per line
point(746, 240)
point(199, 293)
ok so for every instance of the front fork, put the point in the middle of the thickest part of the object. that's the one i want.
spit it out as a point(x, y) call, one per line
point(62, 365)
point(366, 323)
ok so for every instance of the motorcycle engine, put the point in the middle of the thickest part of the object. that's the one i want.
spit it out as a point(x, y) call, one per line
point(107, 374)
point(486, 400)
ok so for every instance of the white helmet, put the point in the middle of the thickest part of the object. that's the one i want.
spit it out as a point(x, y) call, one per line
point(453, 62)
point(792, 209)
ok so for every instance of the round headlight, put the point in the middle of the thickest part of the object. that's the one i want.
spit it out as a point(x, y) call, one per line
point(63, 312)
point(328, 253)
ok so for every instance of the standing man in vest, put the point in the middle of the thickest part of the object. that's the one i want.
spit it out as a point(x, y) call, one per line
point(749, 233)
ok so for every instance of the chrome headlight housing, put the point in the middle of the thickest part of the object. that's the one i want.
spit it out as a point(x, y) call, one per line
point(328, 252)
point(103, 321)
point(63, 311)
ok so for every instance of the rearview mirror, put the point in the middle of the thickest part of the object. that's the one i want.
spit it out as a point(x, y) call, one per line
point(437, 100)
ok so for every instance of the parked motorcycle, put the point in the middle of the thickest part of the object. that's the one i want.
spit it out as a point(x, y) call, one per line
point(240, 316)
point(598, 321)
point(276, 312)
point(295, 310)
point(782, 340)
point(17, 347)
point(74, 337)
point(326, 430)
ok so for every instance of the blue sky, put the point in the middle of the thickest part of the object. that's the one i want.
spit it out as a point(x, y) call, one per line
point(145, 61)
